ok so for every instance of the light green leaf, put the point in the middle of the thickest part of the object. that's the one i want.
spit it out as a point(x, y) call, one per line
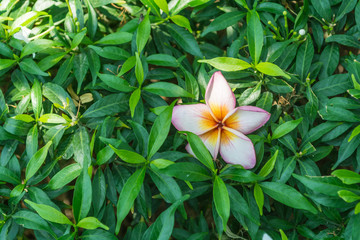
point(227, 64)
point(49, 213)
point(271, 69)
point(36, 161)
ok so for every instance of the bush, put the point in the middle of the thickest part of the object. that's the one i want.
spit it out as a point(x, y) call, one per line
point(88, 149)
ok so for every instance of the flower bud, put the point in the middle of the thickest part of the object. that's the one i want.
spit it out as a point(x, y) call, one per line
point(302, 32)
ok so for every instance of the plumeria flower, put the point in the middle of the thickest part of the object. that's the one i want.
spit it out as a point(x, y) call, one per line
point(220, 125)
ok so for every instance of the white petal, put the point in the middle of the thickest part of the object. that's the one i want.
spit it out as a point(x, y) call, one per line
point(236, 148)
point(195, 118)
point(247, 119)
point(219, 96)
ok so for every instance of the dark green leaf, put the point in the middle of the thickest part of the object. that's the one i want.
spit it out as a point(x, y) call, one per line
point(49, 213)
point(287, 195)
point(127, 196)
point(82, 196)
point(255, 35)
point(111, 104)
point(221, 200)
point(36, 161)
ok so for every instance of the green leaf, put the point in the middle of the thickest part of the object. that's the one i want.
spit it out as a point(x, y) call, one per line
point(255, 35)
point(187, 171)
point(139, 71)
point(181, 21)
point(17, 127)
point(240, 207)
point(52, 118)
point(327, 185)
point(250, 95)
point(81, 147)
point(184, 39)
point(28, 65)
point(115, 82)
point(32, 141)
point(143, 33)
point(81, 66)
point(133, 101)
point(115, 38)
point(221, 200)
point(347, 176)
point(108, 105)
point(64, 176)
point(346, 149)
point(323, 7)
point(49, 61)
point(357, 208)
point(166, 89)
point(167, 186)
point(37, 45)
point(332, 85)
point(49, 213)
point(6, 63)
point(77, 39)
point(237, 173)
point(348, 196)
point(98, 191)
point(31, 220)
point(266, 101)
point(92, 19)
point(127, 196)
point(5, 50)
point(64, 71)
point(160, 163)
point(271, 69)
point(82, 196)
point(279, 86)
point(227, 64)
point(200, 150)
point(24, 118)
point(287, 195)
point(330, 60)
point(36, 98)
point(128, 64)
point(36, 161)
point(269, 165)
point(162, 60)
point(223, 21)
point(259, 197)
point(344, 39)
point(9, 176)
point(113, 53)
point(57, 95)
point(160, 130)
point(285, 128)
point(19, 80)
point(162, 228)
point(129, 156)
point(163, 5)
point(91, 223)
point(304, 58)
point(283, 236)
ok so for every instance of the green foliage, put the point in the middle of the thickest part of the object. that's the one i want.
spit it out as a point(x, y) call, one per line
point(88, 90)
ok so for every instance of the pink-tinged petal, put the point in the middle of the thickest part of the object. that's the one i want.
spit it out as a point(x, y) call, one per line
point(194, 118)
point(246, 119)
point(219, 96)
point(236, 148)
point(211, 140)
